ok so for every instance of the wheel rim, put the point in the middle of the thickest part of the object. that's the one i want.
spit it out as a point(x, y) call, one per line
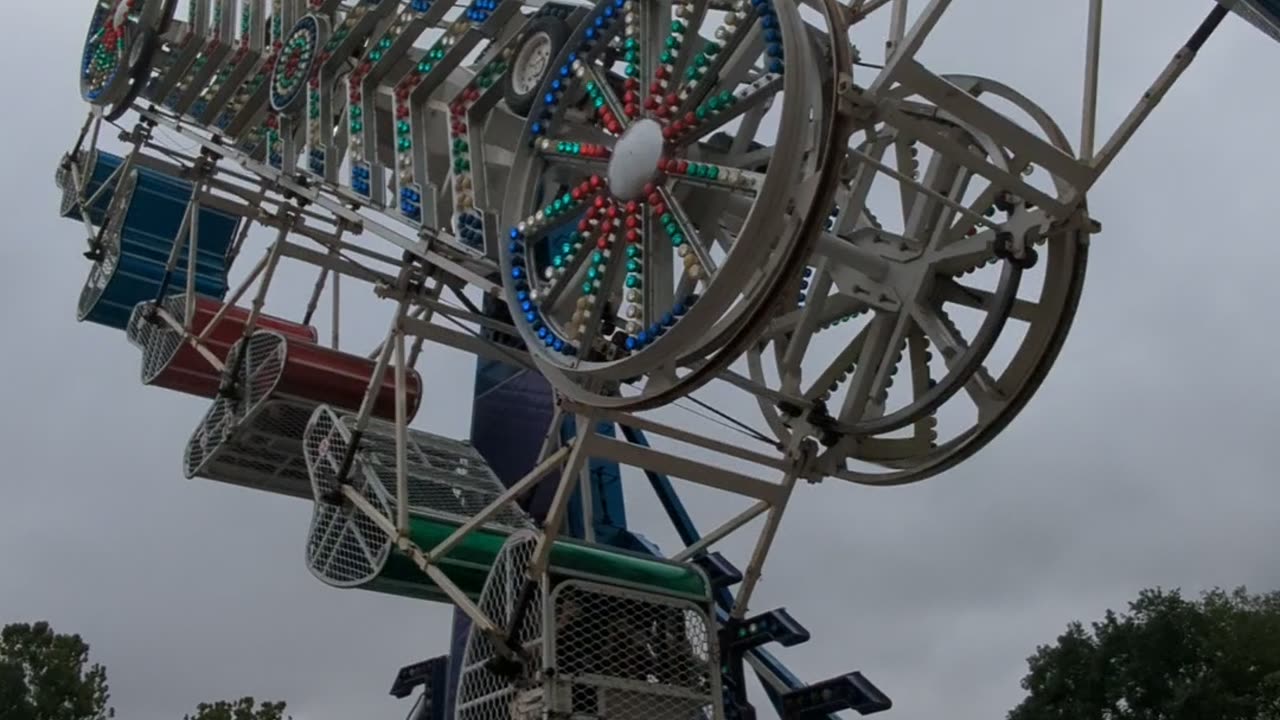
point(1045, 321)
point(615, 248)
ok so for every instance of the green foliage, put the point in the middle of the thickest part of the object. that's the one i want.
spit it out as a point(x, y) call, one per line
point(242, 709)
point(1167, 658)
point(47, 676)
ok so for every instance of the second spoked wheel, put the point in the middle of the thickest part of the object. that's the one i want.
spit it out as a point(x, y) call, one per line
point(906, 366)
point(626, 278)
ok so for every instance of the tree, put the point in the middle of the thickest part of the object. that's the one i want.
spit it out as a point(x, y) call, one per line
point(242, 709)
point(47, 676)
point(1167, 658)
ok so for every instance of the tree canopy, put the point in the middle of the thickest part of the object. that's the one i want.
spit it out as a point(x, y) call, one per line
point(242, 709)
point(1166, 658)
point(47, 676)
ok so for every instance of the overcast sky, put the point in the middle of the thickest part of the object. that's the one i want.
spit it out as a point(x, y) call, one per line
point(1147, 459)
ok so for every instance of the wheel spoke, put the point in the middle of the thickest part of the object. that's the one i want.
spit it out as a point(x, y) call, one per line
point(966, 224)
point(853, 206)
point(943, 333)
point(686, 19)
point(713, 209)
point(724, 108)
point(985, 393)
point(603, 283)
point(927, 216)
point(963, 255)
point(698, 263)
point(807, 326)
point(949, 290)
point(835, 308)
point(567, 268)
point(658, 271)
point(709, 68)
point(838, 369)
point(714, 177)
point(609, 107)
point(589, 156)
point(876, 363)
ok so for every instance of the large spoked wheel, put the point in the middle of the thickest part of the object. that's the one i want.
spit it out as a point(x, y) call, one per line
point(625, 277)
point(968, 279)
point(119, 51)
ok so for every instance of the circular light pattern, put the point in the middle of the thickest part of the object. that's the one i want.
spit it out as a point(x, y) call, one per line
point(294, 63)
point(651, 122)
point(106, 48)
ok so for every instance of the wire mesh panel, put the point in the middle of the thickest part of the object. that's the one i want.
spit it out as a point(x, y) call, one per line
point(448, 483)
point(249, 437)
point(253, 435)
point(169, 361)
point(483, 694)
point(93, 169)
point(627, 655)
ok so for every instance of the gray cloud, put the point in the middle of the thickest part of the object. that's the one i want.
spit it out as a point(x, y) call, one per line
point(1146, 459)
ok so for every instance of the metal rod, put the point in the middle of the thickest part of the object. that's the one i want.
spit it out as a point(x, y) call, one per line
point(588, 497)
point(428, 308)
point(1152, 97)
point(415, 553)
point(236, 245)
point(194, 342)
point(121, 170)
point(336, 312)
point(235, 296)
point(260, 297)
point(193, 249)
point(402, 436)
point(92, 235)
point(721, 532)
point(977, 218)
point(316, 290)
point(751, 576)
point(179, 242)
point(525, 484)
point(380, 369)
point(375, 381)
point(681, 467)
point(860, 9)
point(674, 433)
point(1093, 51)
point(908, 46)
point(560, 503)
point(553, 436)
point(845, 252)
point(84, 133)
point(897, 27)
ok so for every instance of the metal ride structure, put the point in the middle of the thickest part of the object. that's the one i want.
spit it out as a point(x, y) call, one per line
point(613, 206)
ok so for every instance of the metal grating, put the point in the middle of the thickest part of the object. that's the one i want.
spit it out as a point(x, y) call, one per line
point(625, 655)
point(157, 339)
point(448, 480)
point(481, 694)
point(62, 178)
point(253, 439)
point(344, 547)
point(103, 270)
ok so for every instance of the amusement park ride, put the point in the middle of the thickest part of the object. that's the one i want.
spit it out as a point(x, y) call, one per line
point(613, 206)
